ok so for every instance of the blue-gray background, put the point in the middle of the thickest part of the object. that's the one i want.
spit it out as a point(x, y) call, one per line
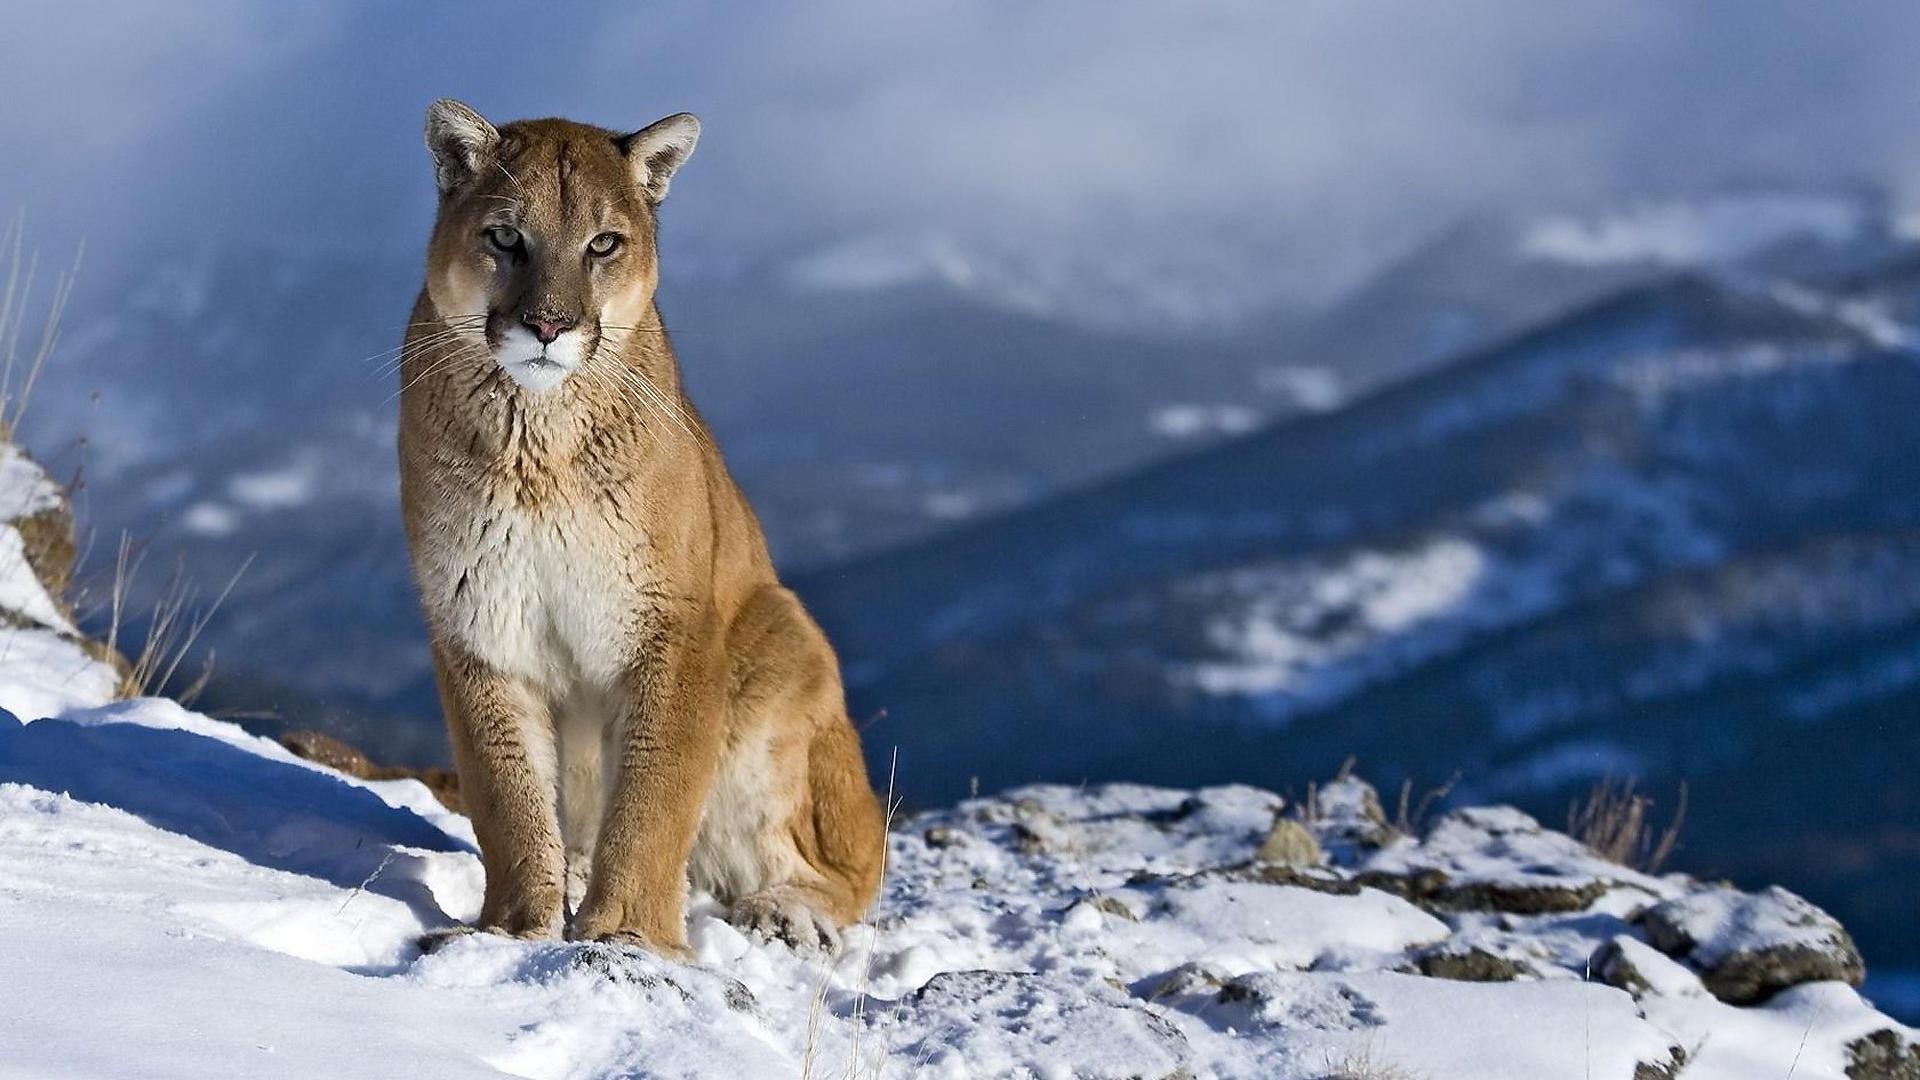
point(1174, 392)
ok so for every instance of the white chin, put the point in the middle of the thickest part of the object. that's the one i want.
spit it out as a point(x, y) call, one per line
point(536, 368)
point(536, 374)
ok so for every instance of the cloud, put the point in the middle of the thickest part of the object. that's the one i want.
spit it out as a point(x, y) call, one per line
point(1294, 144)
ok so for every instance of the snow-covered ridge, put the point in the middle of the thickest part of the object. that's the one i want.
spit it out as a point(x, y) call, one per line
point(1695, 232)
point(160, 862)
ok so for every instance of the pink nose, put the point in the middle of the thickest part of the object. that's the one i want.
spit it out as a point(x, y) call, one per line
point(547, 329)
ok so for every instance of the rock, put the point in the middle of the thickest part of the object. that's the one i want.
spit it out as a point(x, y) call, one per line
point(1519, 898)
point(1498, 859)
point(1670, 1069)
point(1281, 1000)
point(323, 749)
point(1290, 844)
point(1263, 873)
point(39, 511)
point(1883, 1055)
point(940, 837)
point(972, 1016)
point(1748, 946)
point(1468, 965)
point(1193, 979)
point(1632, 965)
point(1028, 840)
point(1347, 820)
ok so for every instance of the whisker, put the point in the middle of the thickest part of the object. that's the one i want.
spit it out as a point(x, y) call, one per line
point(448, 319)
point(389, 355)
point(640, 382)
point(412, 349)
point(625, 393)
point(460, 350)
point(620, 379)
point(516, 180)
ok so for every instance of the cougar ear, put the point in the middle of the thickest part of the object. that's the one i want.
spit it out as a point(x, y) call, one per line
point(657, 150)
point(460, 140)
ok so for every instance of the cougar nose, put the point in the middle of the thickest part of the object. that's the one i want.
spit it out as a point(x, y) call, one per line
point(546, 328)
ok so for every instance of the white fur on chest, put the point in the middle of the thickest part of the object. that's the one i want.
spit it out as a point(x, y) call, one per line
point(543, 596)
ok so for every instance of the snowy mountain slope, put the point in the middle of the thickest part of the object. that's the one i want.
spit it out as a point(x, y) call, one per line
point(1496, 274)
point(1660, 537)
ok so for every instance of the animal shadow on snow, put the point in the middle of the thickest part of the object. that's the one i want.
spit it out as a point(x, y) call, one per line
point(271, 813)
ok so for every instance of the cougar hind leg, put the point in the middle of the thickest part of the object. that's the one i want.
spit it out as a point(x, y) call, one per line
point(792, 838)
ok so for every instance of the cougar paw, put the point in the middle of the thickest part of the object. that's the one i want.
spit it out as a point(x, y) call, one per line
point(774, 916)
point(628, 939)
point(435, 940)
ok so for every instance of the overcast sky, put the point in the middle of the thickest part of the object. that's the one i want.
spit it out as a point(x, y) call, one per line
point(1298, 141)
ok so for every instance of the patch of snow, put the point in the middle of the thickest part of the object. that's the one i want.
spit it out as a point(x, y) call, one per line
point(1196, 421)
point(25, 488)
point(1500, 845)
point(1316, 389)
point(1694, 233)
point(951, 505)
point(1658, 376)
point(20, 590)
point(1299, 624)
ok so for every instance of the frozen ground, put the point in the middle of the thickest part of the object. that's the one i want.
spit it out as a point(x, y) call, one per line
point(182, 899)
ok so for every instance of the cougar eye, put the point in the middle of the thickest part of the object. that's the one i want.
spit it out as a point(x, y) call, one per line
point(604, 245)
point(503, 237)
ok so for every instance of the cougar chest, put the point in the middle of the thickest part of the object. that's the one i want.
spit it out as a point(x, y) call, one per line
point(545, 594)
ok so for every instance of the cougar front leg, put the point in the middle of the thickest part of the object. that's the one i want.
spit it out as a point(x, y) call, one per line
point(669, 750)
point(503, 748)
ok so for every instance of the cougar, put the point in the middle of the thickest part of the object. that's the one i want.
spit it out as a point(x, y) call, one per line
point(635, 703)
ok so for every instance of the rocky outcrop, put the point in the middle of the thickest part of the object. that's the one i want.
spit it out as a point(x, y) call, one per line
point(47, 665)
point(1748, 946)
point(1883, 1055)
point(324, 749)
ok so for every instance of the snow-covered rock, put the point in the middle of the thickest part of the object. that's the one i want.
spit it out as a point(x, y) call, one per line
point(1748, 945)
point(46, 664)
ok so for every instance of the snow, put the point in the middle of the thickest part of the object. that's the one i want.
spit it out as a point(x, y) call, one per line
point(1303, 629)
point(25, 489)
point(1503, 846)
point(1694, 232)
point(1192, 421)
point(1724, 921)
point(162, 868)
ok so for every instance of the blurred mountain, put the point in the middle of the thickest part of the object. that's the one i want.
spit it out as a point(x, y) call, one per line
point(1659, 536)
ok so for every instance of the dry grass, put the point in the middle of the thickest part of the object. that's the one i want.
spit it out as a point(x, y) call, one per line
point(1363, 1065)
point(24, 356)
point(173, 626)
point(1410, 816)
point(1617, 823)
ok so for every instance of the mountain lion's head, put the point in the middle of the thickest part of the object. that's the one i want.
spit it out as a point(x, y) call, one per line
point(544, 243)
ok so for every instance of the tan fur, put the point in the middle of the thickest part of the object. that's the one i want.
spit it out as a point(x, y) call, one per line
point(633, 697)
